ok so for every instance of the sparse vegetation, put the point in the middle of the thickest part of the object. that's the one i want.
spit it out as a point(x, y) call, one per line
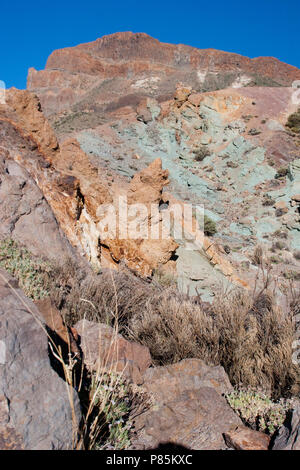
point(164, 278)
point(201, 153)
point(108, 420)
point(297, 254)
point(210, 227)
point(231, 164)
point(275, 259)
point(258, 410)
point(292, 274)
point(254, 131)
point(247, 334)
point(257, 257)
point(27, 269)
point(267, 200)
point(293, 122)
point(282, 172)
point(281, 234)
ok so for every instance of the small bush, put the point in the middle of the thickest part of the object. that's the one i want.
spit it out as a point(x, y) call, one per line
point(275, 259)
point(279, 245)
point(257, 257)
point(201, 153)
point(267, 200)
point(282, 172)
point(257, 410)
point(111, 399)
point(210, 227)
point(110, 404)
point(249, 336)
point(281, 234)
point(231, 164)
point(163, 278)
point(294, 275)
point(293, 122)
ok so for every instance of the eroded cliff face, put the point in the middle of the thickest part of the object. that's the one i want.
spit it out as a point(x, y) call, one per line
point(75, 188)
point(224, 151)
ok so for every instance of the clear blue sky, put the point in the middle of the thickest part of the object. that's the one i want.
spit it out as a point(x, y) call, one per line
point(31, 30)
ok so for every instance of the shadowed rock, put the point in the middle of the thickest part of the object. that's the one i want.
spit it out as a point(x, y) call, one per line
point(35, 410)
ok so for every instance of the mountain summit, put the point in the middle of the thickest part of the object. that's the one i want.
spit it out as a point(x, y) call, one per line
point(120, 68)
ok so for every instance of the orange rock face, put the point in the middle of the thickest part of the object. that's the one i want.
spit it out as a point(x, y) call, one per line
point(74, 189)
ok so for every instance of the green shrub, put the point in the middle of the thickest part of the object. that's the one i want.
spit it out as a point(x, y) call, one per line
point(258, 256)
point(111, 397)
point(30, 271)
point(257, 410)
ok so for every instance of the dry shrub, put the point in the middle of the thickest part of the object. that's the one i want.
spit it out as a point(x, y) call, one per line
point(249, 336)
point(113, 296)
point(246, 333)
point(257, 257)
point(175, 328)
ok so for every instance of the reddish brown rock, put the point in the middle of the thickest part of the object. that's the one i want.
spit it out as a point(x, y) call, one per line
point(104, 348)
point(188, 408)
point(55, 322)
point(243, 438)
point(75, 189)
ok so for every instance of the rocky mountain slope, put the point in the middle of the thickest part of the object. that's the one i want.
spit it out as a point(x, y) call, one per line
point(161, 126)
point(223, 149)
point(117, 70)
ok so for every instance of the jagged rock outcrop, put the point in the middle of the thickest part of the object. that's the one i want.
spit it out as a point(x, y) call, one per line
point(35, 409)
point(74, 188)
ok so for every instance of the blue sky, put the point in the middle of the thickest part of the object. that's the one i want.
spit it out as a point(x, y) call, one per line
point(31, 30)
